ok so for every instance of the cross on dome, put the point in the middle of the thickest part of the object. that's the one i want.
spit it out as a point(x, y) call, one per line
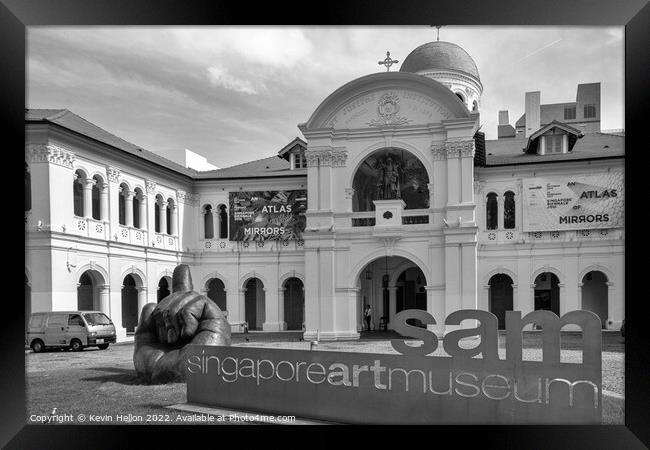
point(388, 62)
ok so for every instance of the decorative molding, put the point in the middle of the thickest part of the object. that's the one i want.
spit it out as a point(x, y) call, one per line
point(452, 149)
point(389, 243)
point(388, 111)
point(312, 159)
point(150, 186)
point(325, 158)
point(53, 155)
point(333, 158)
point(465, 149)
point(439, 151)
point(339, 158)
point(113, 174)
point(189, 198)
point(349, 193)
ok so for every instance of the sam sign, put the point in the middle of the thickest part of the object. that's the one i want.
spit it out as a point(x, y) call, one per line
point(412, 387)
point(267, 215)
point(574, 202)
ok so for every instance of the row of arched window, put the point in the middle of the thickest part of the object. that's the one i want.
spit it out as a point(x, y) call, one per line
point(209, 222)
point(90, 199)
point(492, 211)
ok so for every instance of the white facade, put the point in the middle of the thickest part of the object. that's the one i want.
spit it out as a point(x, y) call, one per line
point(344, 254)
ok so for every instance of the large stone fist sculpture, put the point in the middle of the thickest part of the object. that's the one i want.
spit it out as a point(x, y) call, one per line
point(183, 317)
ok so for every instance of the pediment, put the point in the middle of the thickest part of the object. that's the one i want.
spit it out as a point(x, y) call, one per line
point(387, 99)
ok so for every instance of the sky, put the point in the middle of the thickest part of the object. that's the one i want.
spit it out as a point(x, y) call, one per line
point(236, 94)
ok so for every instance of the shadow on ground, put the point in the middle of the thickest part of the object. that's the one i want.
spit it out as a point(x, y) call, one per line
point(127, 377)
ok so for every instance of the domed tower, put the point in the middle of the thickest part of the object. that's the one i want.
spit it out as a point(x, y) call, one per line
point(450, 65)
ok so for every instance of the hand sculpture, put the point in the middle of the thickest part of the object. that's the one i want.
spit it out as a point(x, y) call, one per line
point(183, 317)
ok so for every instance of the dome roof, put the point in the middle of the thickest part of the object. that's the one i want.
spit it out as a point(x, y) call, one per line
point(439, 55)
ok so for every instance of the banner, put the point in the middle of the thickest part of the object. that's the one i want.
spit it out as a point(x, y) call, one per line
point(573, 202)
point(267, 215)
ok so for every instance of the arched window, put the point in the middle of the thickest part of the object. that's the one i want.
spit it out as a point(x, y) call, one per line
point(474, 106)
point(223, 222)
point(509, 210)
point(460, 96)
point(28, 189)
point(78, 193)
point(96, 197)
point(208, 222)
point(389, 174)
point(491, 211)
point(171, 217)
point(124, 189)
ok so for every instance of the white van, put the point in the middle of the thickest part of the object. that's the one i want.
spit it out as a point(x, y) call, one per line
point(71, 329)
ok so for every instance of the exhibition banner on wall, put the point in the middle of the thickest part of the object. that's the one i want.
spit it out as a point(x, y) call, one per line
point(573, 202)
point(268, 215)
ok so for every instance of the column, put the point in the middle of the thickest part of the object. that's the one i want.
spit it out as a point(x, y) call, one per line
point(241, 307)
point(281, 321)
point(313, 199)
point(88, 184)
point(612, 315)
point(431, 202)
point(500, 212)
point(436, 307)
point(143, 212)
point(564, 307)
point(128, 208)
point(346, 311)
point(150, 201)
point(104, 298)
point(454, 180)
point(325, 184)
point(392, 306)
point(271, 320)
point(113, 201)
point(469, 281)
point(349, 194)
point(163, 216)
point(142, 299)
point(103, 202)
point(485, 298)
point(174, 219)
point(467, 171)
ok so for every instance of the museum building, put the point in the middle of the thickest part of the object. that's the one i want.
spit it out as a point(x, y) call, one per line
point(392, 197)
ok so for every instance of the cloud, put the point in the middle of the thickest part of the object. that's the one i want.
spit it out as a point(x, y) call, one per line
point(235, 94)
point(275, 47)
point(220, 77)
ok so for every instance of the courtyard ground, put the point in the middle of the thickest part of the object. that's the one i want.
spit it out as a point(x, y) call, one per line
point(103, 383)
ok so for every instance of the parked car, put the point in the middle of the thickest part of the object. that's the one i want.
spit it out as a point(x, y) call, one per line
point(69, 329)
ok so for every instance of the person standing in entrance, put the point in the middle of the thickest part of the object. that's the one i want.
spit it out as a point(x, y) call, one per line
point(367, 314)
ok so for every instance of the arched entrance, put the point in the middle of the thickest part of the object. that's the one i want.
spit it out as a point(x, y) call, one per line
point(500, 297)
point(594, 295)
point(129, 304)
point(254, 304)
point(294, 303)
point(88, 291)
point(547, 292)
point(389, 285)
point(163, 288)
point(217, 293)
